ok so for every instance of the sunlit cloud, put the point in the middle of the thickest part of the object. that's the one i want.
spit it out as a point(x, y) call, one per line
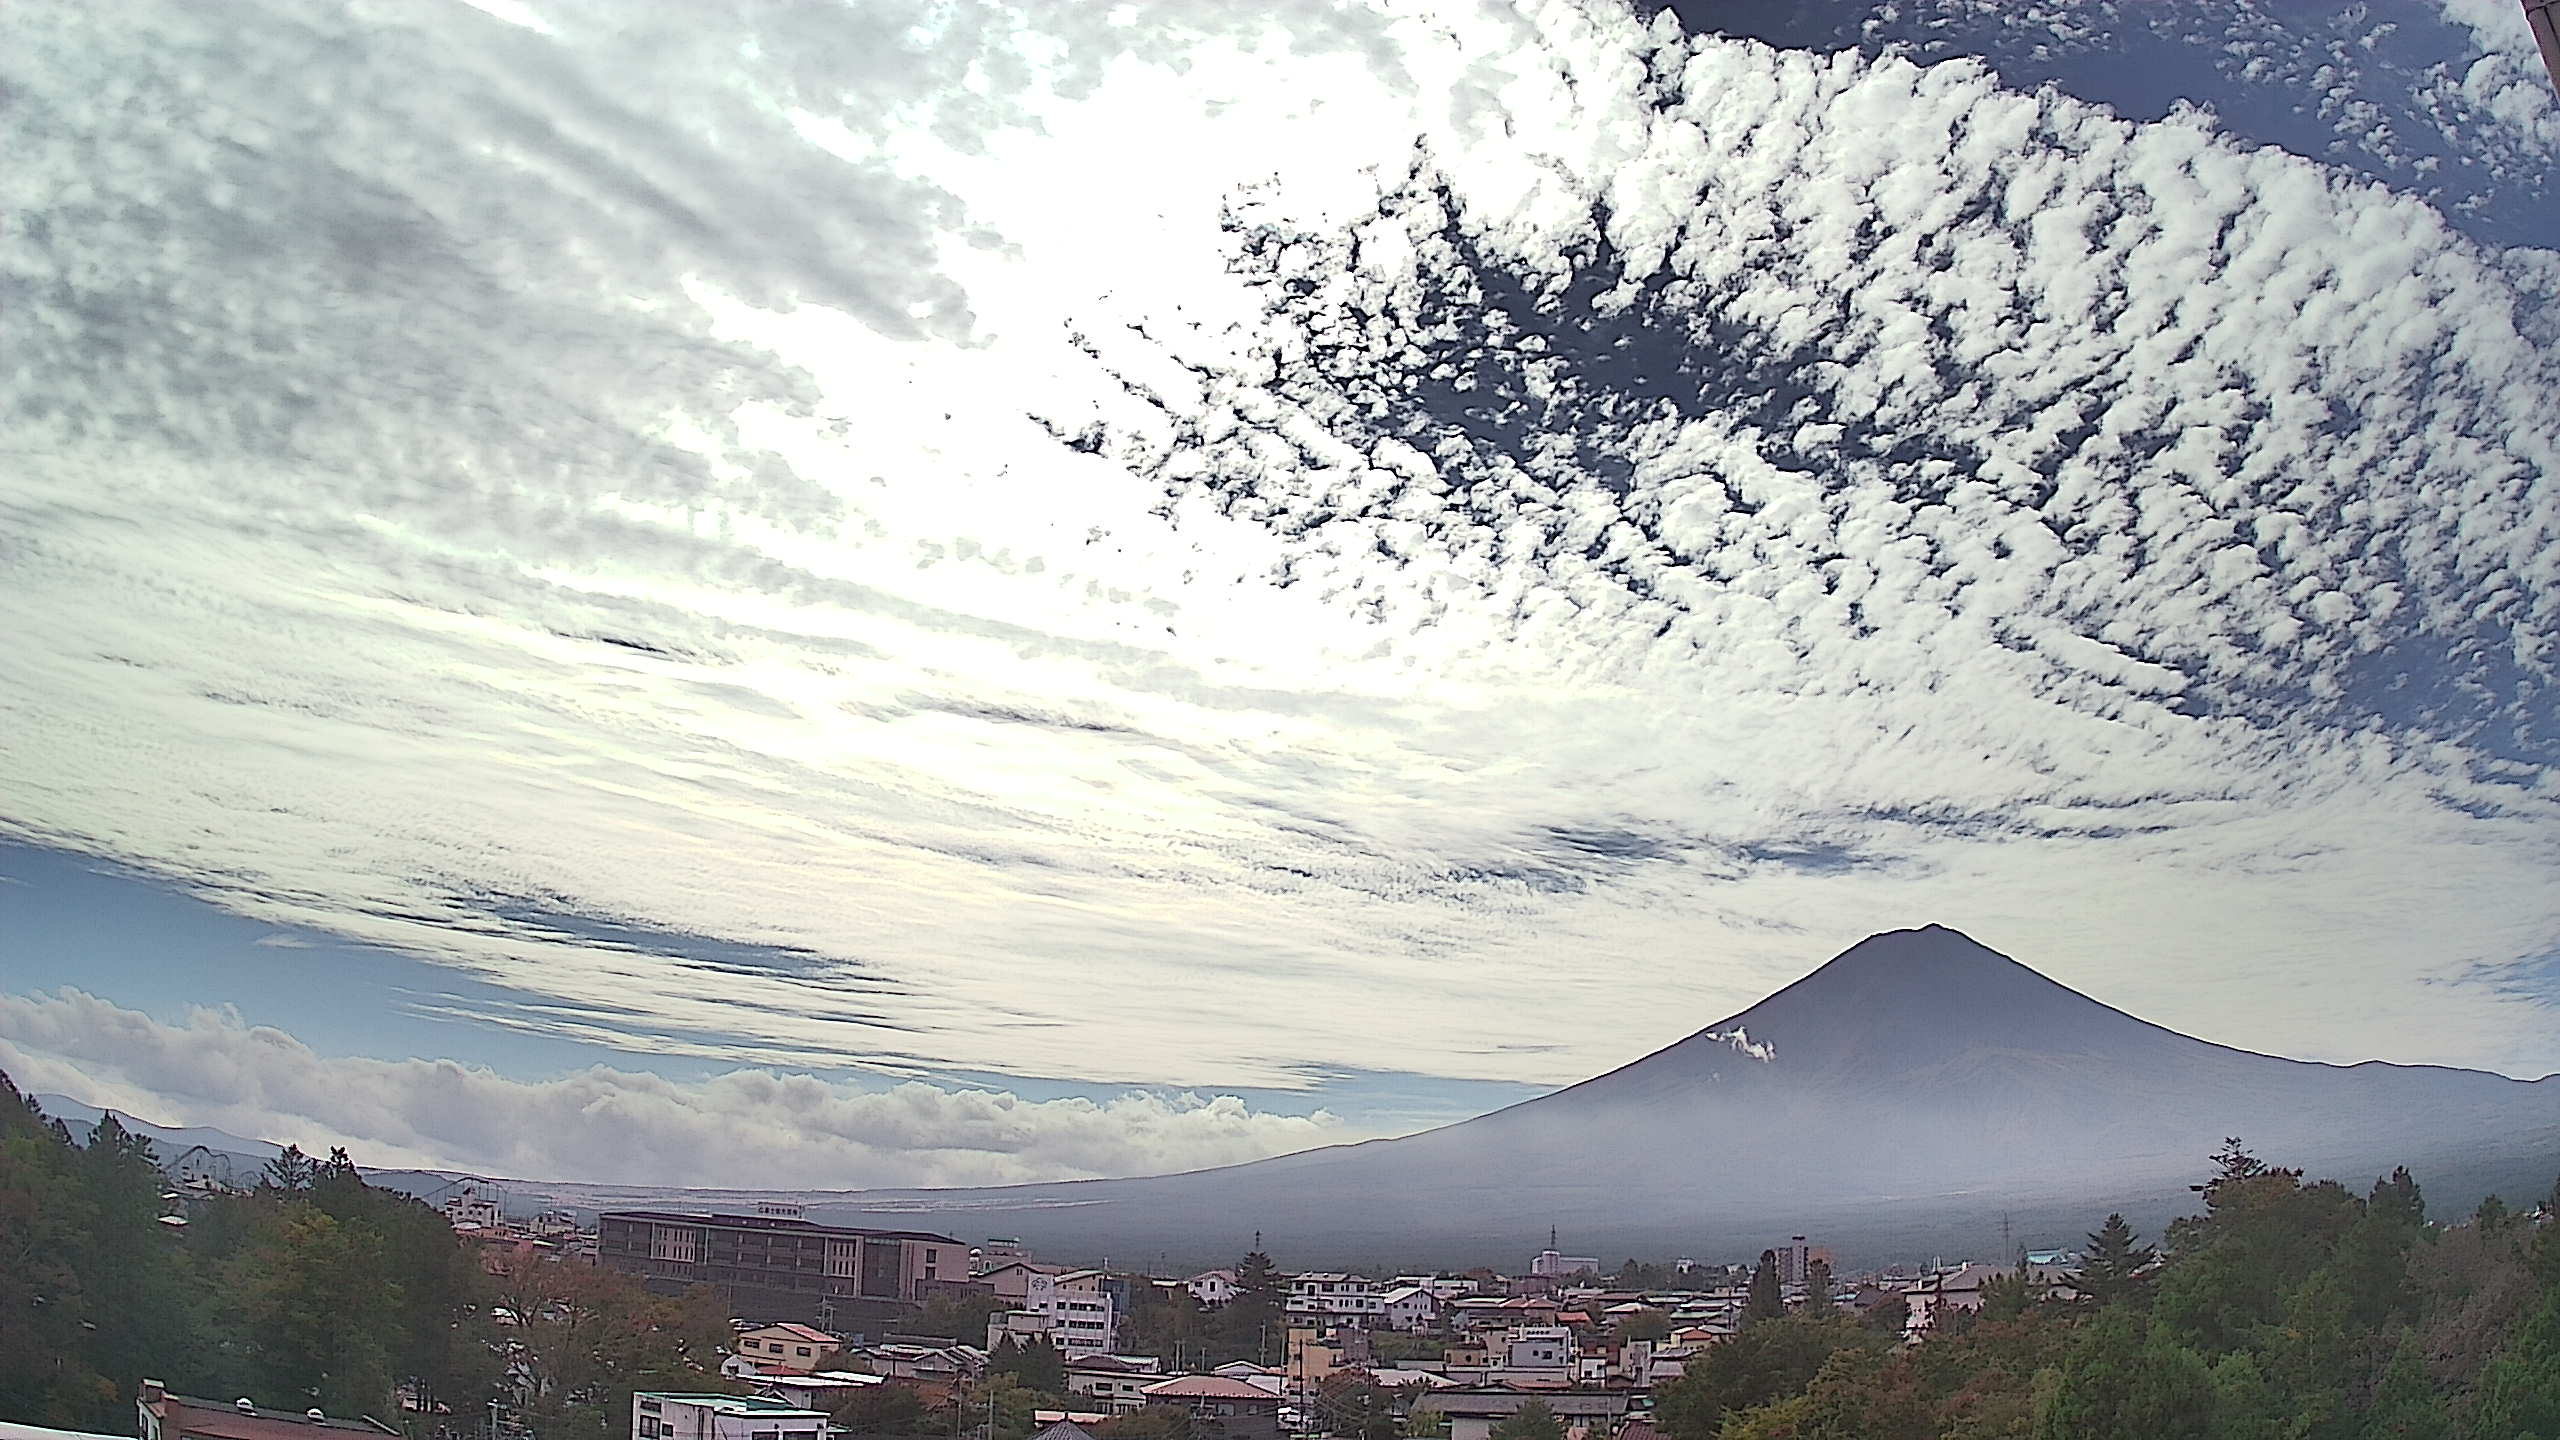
point(1216, 546)
point(615, 1126)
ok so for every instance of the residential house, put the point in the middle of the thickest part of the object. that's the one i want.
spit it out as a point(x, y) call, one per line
point(1221, 1408)
point(1012, 1280)
point(1443, 1287)
point(1408, 1307)
point(934, 1372)
point(1473, 1412)
point(1538, 1347)
point(163, 1416)
point(1062, 1429)
point(670, 1415)
point(786, 1348)
point(820, 1391)
point(1212, 1288)
point(1117, 1383)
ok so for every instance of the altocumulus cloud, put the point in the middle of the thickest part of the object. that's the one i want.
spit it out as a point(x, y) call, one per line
point(1232, 529)
point(613, 1126)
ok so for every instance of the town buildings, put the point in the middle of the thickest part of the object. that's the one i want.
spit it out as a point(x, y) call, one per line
point(1075, 1310)
point(667, 1415)
point(1556, 1265)
point(781, 1266)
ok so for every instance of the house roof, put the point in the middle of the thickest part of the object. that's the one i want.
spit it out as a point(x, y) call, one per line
point(1062, 1430)
point(225, 1421)
point(1115, 1364)
point(1205, 1387)
point(728, 1404)
point(809, 1333)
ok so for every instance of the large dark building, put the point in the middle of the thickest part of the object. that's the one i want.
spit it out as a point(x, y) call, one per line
point(776, 1267)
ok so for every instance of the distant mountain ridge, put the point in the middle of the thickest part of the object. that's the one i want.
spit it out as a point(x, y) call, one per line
point(167, 1141)
point(1910, 1091)
point(1914, 1095)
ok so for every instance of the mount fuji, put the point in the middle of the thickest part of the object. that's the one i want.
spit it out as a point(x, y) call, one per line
point(1918, 1092)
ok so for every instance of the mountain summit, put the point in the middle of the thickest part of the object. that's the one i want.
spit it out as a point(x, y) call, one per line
point(1907, 1095)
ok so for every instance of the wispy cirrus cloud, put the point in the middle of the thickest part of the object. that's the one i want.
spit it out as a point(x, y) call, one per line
point(1204, 547)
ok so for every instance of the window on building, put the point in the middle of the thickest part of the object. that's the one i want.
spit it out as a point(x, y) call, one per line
point(672, 1242)
point(649, 1427)
point(841, 1255)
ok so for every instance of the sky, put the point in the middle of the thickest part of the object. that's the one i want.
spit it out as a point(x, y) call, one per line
point(947, 593)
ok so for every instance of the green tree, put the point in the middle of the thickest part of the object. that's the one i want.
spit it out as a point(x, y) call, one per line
point(1035, 1364)
point(320, 1306)
point(1534, 1420)
point(1764, 1300)
point(586, 1337)
point(2492, 1213)
point(2519, 1393)
point(1647, 1324)
point(2010, 1294)
point(884, 1410)
point(1352, 1403)
point(1817, 1287)
point(291, 1171)
point(47, 1374)
point(2127, 1380)
point(1254, 1325)
point(1766, 1362)
point(2396, 1196)
point(2111, 1269)
point(2246, 1404)
point(2406, 1405)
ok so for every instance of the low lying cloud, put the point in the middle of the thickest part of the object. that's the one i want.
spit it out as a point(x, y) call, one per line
point(745, 1127)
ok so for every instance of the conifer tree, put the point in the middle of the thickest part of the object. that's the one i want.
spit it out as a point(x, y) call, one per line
point(2396, 1197)
point(1764, 1300)
point(1817, 1287)
point(2111, 1270)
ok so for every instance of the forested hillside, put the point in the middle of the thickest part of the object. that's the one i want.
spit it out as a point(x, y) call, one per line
point(315, 1289)
point(2286, 1311)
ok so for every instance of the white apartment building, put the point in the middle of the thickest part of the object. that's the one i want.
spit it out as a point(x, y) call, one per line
point(1342, 1299)
point(1538, 1347)
point(665, 1415)
point(1072, 1310)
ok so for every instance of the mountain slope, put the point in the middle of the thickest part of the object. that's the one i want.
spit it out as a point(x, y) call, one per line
point(1918, 1084)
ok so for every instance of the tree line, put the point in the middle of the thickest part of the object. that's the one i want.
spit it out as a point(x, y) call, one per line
point(2286, 1311)
point(313, 1289)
